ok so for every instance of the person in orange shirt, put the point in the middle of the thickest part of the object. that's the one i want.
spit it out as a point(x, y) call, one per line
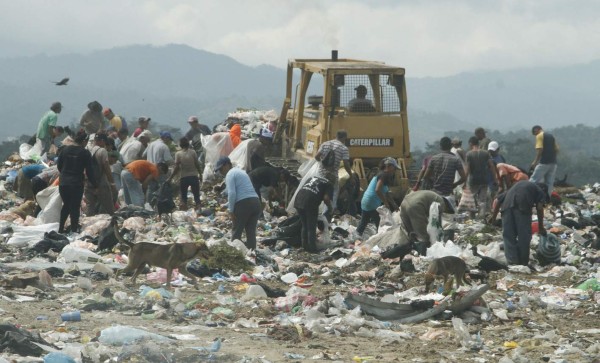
point(236, 135)
point(135, 179)
point(509, 175)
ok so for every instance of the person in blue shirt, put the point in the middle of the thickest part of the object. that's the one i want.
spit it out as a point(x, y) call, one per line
point(375, 195)
point(243, 204)
point(23, 180)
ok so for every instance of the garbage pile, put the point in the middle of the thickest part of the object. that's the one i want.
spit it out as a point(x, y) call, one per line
point(62, 300)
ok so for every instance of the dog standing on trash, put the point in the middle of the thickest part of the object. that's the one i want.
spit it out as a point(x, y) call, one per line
point(168, 256)
point(446, 266)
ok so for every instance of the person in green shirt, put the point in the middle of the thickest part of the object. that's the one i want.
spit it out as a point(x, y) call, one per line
point(45, 131)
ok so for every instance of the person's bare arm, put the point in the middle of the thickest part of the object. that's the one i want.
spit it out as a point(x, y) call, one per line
point(493, 169)
point(379, 192)
point(495, 211)
point(540, 215)
point(348, 167)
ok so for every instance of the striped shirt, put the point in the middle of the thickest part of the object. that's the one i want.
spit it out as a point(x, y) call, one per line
point(340, 152)
point(444, 166)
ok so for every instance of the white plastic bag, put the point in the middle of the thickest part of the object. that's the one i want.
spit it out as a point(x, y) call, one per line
point(76, 254)
point(439, 249)
point(306, 166)
point(51, 203)
point(27, 151)
point(387, 218)
point(30, 235)
point(215, 146)
point(240, 156)
point(434, 227)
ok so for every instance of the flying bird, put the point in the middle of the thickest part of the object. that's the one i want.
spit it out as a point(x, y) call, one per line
point(62, 82)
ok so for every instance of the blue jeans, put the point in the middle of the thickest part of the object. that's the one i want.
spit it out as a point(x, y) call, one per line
point(132, 189)
point(544, 173)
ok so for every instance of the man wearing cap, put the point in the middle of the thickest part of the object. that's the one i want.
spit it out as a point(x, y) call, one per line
point(360, 103)
point(376, 195)
point(516, 205)
point(114, 120)
point(100, 200)
point(477, 168)
point(122, 138)
point(92, 119)
point(329, 165)
point(194, 135)
point(544, 165)
point(158, 150)
point(196, 128)
point(132, 150)
point(497, 158)
point(414, 213)
point(242, 201)
point(442, 168)
point(143, 123)
point(136, 177)
point(45, 130)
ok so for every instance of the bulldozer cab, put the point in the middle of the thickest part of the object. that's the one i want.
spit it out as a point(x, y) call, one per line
point(365, 98)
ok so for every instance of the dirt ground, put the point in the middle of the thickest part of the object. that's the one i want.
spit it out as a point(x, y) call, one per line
point(273, 341)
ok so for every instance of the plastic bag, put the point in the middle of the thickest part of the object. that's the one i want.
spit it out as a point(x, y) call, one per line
point(215, 146)
point(306, 166)
point(440, 249)
point(30, 235)
point(240, 156)
point(387, 217)
point(77, 254)
point(27, 151)
point(434, 226)
point(51, 203)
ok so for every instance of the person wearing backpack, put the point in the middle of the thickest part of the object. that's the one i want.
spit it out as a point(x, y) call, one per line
point(118, 122)
point(330, 154)
point(73, 160)
point(100, 200)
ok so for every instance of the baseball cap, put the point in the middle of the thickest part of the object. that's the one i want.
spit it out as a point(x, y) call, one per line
point(493, 146)
point(264, 132)
point(106, 111)
point(222, 161)
point(193, 119)
point(144, 119)
point(391, 161)
point(165, 135)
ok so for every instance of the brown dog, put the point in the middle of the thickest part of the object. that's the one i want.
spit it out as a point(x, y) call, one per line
point(446, 266)
point(167, 256)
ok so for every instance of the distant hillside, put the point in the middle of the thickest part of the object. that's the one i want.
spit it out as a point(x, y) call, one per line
point(170, 83)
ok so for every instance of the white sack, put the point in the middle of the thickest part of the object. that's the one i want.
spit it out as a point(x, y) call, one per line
point(51, 203)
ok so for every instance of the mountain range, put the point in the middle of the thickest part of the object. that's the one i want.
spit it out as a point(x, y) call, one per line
point(169, 83)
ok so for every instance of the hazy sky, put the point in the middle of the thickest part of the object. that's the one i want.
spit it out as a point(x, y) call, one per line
point(428, 38)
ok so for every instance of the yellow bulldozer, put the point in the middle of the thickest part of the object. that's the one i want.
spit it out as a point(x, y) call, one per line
point(365, 98)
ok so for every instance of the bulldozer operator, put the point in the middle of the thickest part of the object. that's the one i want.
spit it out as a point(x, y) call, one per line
point(360, 103)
